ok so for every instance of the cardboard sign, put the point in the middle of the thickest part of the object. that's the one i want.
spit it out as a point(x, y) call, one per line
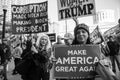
point(76, 61)
point(30, 18)
point(75, 8)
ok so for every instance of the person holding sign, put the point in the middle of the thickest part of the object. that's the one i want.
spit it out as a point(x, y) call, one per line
point(82, 35)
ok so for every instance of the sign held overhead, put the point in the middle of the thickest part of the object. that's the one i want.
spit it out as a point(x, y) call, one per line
point(30, 18)
point(75, 8)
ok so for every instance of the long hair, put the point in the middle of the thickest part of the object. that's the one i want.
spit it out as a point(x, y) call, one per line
point(48, 46)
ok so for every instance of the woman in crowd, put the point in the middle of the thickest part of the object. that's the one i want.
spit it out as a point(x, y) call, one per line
point(36, 59)
point(42, 55)
point(82, 36)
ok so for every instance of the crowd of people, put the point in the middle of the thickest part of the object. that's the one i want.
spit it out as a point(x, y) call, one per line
point(34, 60)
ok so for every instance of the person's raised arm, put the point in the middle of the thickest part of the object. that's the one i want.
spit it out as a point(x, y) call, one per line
point(76, 20)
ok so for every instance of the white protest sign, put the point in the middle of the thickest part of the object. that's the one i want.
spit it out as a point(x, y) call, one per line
point(75, 8)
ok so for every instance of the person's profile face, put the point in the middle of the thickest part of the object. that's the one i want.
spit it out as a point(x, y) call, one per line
point(59, 39)
point(82, 35)
point(68, 41)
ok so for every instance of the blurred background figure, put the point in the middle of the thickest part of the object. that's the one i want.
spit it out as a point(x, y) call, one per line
point(26, 65)
point(6, 55)
point(68, 38)
point(58, 43)
point(59, 40)
point(114, 52)
point(6, 48)
point(17, 56)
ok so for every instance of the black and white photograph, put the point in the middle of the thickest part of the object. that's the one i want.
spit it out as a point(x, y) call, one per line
point(59, 39)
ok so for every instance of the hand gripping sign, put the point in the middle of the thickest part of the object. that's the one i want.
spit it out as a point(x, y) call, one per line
point(76, 61)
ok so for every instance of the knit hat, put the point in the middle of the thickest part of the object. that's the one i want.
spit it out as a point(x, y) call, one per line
point(68, 36)
point(81, 26)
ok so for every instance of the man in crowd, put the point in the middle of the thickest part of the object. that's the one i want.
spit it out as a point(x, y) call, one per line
point(5, 55)
point(68, 38)
point(114, 51)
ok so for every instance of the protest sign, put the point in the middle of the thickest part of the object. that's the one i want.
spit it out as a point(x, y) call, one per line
point(14, 40)
point(30, 18)
point(75, 8)
point(76, 61)
point(96, 36)
point(112, 31)
point(52, 37)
